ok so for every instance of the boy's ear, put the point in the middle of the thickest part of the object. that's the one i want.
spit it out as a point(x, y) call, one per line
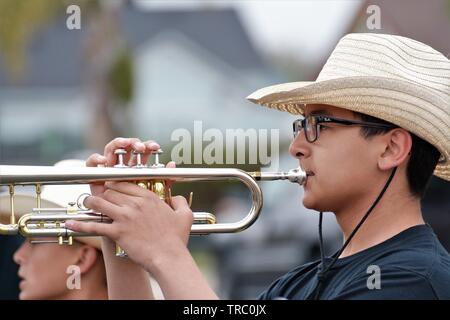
point(397, 148)
point(86, 258)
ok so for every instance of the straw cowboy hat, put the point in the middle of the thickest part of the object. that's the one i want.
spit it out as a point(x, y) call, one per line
point(52, 196)
point(393, 78)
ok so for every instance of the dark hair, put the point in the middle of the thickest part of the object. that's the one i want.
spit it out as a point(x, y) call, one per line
point(424, 157)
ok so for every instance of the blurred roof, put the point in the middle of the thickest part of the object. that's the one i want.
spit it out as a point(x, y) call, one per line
point(55, 54)
point(220, 31)
point(425, 21)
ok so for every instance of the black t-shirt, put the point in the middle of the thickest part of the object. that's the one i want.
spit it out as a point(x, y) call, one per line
point(410, 265)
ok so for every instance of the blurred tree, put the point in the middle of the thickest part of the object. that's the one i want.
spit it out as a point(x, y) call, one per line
point(19, 20)
point(108, 63)
point(109, 75)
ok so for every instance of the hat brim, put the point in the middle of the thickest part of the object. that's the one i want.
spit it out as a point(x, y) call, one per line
point(418, 109)
point(24, 204)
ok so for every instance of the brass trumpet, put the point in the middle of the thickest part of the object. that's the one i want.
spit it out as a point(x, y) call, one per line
point(49, 222)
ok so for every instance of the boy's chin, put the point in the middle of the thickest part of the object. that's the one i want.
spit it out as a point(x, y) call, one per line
point(309, 202)
point(313, 203)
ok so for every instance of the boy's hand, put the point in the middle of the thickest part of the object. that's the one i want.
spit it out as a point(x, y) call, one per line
point(145, 226)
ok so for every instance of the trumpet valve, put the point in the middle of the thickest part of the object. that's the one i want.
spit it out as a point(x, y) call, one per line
point(67, 240)
point(138, 156)
point(157, 164)
point(120, 158)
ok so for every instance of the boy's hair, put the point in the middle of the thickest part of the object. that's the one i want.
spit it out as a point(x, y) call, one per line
point(424, 157)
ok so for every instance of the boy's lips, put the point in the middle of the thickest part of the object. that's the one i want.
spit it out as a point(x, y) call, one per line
point(309, 175)
point(22, 284)
point(21, 275)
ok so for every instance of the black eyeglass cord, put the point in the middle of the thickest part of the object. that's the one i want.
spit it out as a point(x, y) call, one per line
point(321, 277)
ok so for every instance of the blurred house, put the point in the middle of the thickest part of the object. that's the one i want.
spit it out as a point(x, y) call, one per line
point(195, 65)
point(188, 65)
point(44, 115)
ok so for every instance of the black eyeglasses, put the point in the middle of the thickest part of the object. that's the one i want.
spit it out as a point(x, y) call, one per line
point(312, 125)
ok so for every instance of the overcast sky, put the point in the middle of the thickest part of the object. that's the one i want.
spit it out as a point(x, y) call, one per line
point(302, 26)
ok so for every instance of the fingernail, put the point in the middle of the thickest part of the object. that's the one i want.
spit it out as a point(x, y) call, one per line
point(139, 145)
point(154, 145)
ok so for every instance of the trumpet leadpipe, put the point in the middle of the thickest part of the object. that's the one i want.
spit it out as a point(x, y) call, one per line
point(296, 175)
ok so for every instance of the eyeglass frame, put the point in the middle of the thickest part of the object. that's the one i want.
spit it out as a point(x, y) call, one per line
point(327, 119)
